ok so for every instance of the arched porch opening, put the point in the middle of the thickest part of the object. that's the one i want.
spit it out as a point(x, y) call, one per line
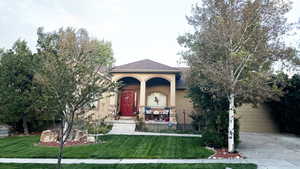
point(157, 99)
point(160, 87)
point(128, 96)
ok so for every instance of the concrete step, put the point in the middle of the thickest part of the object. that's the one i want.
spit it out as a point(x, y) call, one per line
point(127, 117)
point(121, 121)
point(121, 127)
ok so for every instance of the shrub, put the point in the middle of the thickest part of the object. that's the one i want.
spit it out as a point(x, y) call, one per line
point(211, 138)
point(198, 121)
point(101, 129)
point(216, 133)
point(211, 117)
point(286, 110)
point(140, 125)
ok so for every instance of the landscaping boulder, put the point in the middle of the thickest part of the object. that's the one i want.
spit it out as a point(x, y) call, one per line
point(78, 136)
point(4, 130)
point(49, 136)
point(91, 139)
point(81, 136)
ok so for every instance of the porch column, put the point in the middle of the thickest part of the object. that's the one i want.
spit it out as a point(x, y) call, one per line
point(142, 98)
point(173, 99)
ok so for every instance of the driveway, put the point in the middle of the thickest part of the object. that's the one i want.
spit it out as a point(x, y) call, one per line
point(274, 150)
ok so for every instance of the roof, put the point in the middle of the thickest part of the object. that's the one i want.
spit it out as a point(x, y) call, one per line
point(145, 65)
point(148, 65)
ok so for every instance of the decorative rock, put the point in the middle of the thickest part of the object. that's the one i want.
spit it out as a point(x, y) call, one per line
point(4, 131)
point(80, 136)
point(91, 139)
point(49, 136)
point(76, 137)
point(224, 154)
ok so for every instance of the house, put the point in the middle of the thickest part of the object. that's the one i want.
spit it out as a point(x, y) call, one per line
point(157, 94)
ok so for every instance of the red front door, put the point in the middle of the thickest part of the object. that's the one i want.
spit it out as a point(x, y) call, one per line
point(127, 103)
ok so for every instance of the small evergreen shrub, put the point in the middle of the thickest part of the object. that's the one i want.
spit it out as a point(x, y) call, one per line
point(101, 129)
point(211, 117)
point(140, 125)
point(211, 138)
point(216, 133)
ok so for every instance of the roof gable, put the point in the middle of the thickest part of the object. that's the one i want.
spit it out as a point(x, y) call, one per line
point(145, 65)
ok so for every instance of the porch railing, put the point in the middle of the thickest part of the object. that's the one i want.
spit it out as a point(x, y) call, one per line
point(157, 114)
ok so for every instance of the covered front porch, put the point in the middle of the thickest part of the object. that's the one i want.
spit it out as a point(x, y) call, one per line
point(149, 96)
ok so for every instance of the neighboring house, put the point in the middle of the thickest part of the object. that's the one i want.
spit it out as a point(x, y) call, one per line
point(157, 93)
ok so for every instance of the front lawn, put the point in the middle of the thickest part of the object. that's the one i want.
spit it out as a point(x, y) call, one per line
point(113, 147)
point(131, 166)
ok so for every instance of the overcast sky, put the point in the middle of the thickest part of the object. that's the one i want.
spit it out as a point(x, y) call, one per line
point(138, 29)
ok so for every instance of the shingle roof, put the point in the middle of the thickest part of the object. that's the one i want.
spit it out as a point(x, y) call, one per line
point(145, 65)
point(148, 65)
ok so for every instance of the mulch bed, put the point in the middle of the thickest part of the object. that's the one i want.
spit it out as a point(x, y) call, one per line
point(69, 143)
point(224, 154)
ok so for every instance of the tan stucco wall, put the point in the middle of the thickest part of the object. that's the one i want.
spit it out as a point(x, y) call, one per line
point(103, 105)
point(255, 119)
point(102, 109)
point(183, 104)
point(163, 89)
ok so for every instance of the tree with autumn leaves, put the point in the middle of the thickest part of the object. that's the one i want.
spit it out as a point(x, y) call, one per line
point(233, 48)
point(74, 73)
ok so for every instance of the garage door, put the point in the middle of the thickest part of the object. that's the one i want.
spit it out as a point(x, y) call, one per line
point(256, 119)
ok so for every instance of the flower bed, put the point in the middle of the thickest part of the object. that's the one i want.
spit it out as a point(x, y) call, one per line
point(224, 154)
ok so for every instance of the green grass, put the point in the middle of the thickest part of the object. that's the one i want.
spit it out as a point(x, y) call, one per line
point(113, 147)
point(131, 166)
point(175, 131)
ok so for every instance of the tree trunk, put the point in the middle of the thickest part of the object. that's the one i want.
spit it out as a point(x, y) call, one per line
point(65, 128)
point(61, 145)
point(231, 124)
point(25, 125)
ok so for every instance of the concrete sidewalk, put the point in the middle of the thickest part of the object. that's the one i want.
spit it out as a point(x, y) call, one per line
point(262, 163)
point(136, 133)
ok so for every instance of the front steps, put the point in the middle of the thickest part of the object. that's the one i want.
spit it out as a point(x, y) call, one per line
point(126, 125)
point(128, 118)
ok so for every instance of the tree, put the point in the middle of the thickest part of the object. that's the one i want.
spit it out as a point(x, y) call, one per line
point(73, 73)
point(286, 110)
point(233, 48)
point(17, 86)
point(1, 53)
